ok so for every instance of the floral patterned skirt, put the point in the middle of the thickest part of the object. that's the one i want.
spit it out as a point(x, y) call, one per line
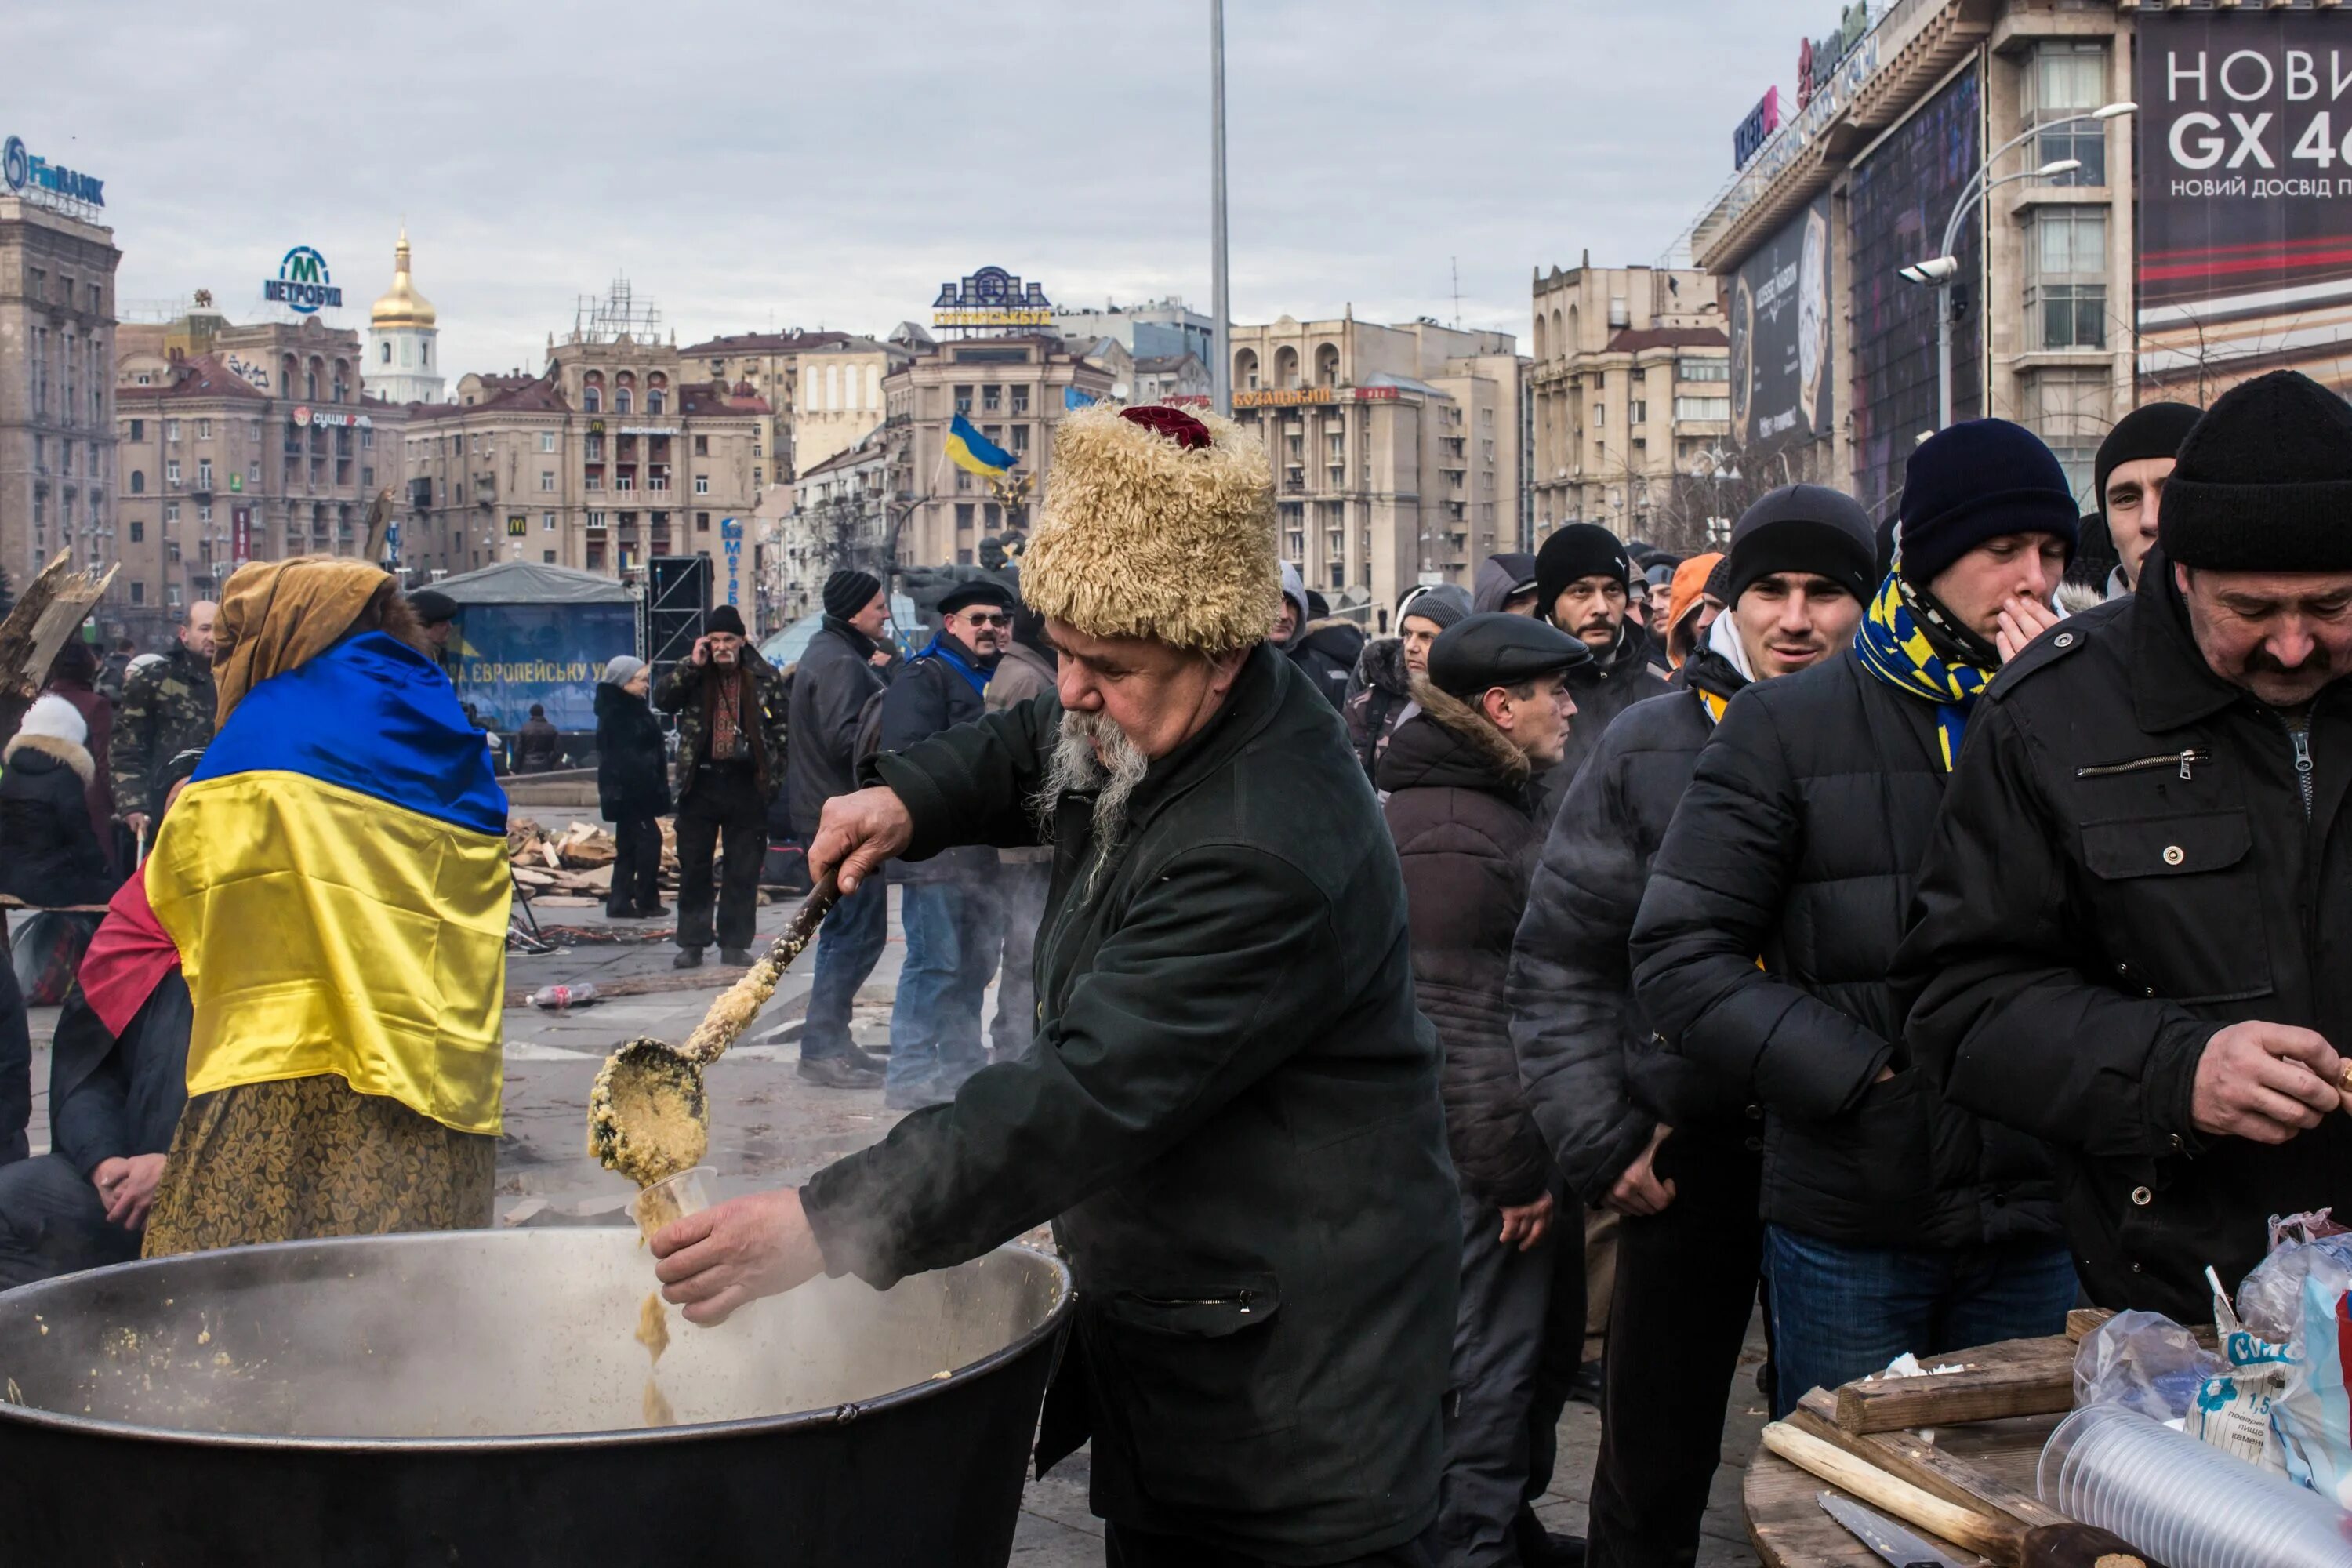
point(308, 1157)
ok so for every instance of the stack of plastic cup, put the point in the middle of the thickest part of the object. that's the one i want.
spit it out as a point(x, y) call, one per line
point(2183, 1501)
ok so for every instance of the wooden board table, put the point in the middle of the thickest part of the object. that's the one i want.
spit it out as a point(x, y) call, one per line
point(1994, 1420)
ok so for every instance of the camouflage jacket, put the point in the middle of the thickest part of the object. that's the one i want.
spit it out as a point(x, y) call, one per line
point(685, 691)
point(167, 708)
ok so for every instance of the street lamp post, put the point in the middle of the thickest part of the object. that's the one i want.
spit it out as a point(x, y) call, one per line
point(1942, 269)
point(1220, 353)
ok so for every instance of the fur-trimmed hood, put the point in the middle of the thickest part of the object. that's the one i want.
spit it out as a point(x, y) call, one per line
point(54, 747)
point(1451, 745)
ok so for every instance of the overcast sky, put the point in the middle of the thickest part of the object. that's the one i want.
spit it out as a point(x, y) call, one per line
point(794, 163)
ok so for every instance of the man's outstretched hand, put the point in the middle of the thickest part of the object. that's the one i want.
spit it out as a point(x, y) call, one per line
point(857, 833)
point(734, 1253)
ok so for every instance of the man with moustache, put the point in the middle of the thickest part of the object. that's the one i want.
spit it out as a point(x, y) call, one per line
point(2133, 912)
point(1582, 575)
point(1231, 1103)
point(1636, 1130)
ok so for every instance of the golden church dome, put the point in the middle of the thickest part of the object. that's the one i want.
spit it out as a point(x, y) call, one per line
point(404, 306)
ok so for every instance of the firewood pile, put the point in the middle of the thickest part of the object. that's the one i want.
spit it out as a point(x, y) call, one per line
point(574, 867)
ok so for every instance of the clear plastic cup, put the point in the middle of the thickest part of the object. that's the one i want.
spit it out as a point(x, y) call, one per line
point(672, 1197)
point(2182, 1500)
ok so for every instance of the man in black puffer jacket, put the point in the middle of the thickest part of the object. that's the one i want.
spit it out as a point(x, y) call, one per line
point(1494, 707)
point(1895, 1221)
point(1582, 574)
point(1635, 1129)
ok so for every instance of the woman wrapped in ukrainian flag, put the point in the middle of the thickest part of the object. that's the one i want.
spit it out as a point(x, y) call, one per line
point(335, 878)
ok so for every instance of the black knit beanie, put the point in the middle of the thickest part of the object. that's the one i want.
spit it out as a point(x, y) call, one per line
point(2151, 430)
point(1976, 480)
point(1802, 528)
point(2265, 481)
point(1578, 550)
point(848, 591)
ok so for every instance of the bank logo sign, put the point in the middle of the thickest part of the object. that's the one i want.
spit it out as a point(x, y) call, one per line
point(28, 176)
point(302, 283)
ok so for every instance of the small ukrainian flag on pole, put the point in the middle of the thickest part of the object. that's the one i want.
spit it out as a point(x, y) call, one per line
point(974, 453)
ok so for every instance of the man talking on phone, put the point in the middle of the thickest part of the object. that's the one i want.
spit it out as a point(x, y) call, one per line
point(730, 705)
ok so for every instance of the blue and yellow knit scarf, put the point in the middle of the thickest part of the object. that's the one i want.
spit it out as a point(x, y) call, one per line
point(1892, 645)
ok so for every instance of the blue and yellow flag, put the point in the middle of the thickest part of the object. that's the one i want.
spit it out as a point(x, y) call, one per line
point(974, 453)
point(335, 878)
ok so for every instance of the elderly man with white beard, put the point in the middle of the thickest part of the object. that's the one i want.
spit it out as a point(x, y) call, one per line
point(1231, 1110)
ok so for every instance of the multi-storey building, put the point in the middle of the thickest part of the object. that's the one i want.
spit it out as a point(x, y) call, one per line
point(58, 459)
point(823, 389)
point(611, 455)
point(1169, 378)
point(1629, 394)
point(1153, 328)
point(1396, 450)
point(259, 447)
point(1012, 388)
point(1935, 108)
point(839, 516)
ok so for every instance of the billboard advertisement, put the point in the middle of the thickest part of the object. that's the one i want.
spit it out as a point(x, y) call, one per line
point(1900, 197)
point(1780, 333)
point(507, 656)
point(2245, 198)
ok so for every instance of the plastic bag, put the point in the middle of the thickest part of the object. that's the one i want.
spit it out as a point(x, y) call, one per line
point(2313, 1414)
point(2143, 1362)
point(2269, 1301)
point(2234, 1411)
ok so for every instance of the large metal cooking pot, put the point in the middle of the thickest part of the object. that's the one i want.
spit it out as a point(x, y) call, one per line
point(474, 1398)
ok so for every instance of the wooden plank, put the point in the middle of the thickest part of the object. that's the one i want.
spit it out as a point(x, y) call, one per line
point(46, 611)
point(2083, 1320)
point(2014, 1377)
point(1929, 1465)
point(1788, 1530)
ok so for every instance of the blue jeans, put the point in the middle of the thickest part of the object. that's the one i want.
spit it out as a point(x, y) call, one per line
point(848, 944)
point(1841, 1312)
point(953, 937)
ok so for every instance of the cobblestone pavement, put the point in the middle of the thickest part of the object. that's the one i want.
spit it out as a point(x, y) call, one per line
point(769, 1128)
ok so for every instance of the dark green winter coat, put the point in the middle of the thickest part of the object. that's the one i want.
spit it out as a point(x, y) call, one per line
point(1233, 1111)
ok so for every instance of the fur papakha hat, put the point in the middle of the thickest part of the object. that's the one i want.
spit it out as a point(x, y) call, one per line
point(1156, 524)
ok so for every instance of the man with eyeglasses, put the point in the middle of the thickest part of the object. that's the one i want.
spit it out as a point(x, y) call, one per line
point(948, 904)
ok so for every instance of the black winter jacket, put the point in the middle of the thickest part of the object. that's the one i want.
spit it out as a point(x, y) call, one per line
point(1800, 840)
point(1326, 652)
point(111, 1099)
point(1595, 1074)
point(1603, 689)
point(1466, 833)
point(1232, 1107)
point(830, 687)
point(931, 695)
point(50, 854)
point(2125, 866)
point(539, 746)
point(632, 763)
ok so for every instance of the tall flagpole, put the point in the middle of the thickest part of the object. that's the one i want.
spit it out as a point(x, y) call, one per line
point(1221, 353)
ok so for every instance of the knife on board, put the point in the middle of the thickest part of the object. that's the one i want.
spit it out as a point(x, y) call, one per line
point(1883, 1535)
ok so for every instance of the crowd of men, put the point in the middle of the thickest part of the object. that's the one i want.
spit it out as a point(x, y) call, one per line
point(1831, 923)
